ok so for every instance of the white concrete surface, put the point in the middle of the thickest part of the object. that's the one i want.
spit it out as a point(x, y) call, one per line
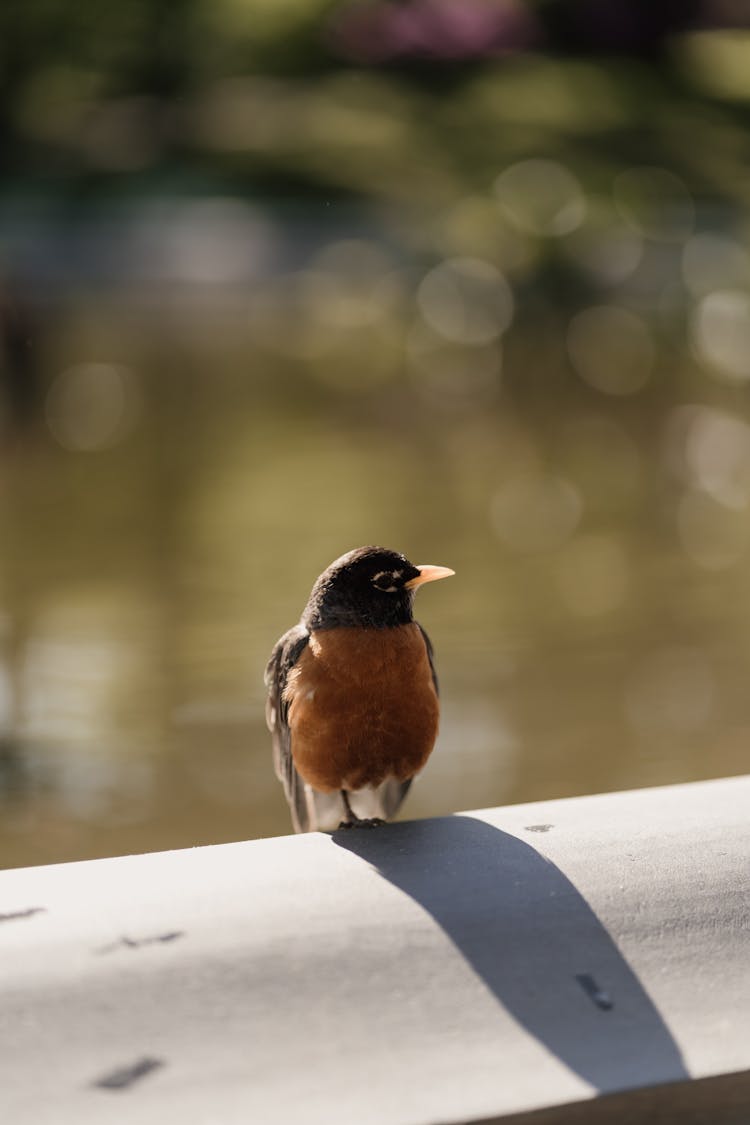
point(434, 971)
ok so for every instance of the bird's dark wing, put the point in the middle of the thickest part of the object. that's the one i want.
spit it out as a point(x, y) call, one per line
point(285, 655)
point(431, 658)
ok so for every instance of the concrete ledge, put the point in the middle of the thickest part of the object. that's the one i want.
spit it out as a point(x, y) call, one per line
point(517, 964)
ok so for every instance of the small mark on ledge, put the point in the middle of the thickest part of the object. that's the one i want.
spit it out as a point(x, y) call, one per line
point(126, 1076)
point(137, 943)
point(538, 827)
point(29, 912)
point(601, 998)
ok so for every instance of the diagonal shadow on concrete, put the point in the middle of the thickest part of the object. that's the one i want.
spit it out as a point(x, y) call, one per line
point(533, 940)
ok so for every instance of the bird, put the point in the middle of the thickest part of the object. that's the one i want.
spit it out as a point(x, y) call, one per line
point(352, 693)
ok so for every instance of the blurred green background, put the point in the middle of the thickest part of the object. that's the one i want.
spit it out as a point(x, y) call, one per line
point(283, 277)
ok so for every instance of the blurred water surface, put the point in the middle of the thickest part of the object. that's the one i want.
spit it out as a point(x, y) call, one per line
point(196, 449)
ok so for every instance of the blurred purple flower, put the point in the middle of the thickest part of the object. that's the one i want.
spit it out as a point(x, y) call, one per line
point(380, 31)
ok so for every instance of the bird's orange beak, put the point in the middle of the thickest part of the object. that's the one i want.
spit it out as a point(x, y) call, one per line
point(428, 574)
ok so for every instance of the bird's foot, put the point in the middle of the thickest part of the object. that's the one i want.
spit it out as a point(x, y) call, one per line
point(359, 822)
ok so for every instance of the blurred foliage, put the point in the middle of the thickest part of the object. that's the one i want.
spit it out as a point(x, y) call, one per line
point(262, 92)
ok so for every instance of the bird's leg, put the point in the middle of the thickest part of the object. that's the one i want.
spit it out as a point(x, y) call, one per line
point(347, 807)
point(354, 821)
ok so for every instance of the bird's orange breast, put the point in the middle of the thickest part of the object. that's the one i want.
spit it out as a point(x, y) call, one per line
point(362, 707)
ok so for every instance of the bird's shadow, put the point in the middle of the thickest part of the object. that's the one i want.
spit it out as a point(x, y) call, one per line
point(534, 941)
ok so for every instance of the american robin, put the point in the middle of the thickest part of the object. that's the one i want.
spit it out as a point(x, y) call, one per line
point(352, 693)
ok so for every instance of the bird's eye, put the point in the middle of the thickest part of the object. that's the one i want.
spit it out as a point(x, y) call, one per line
point(387, 580)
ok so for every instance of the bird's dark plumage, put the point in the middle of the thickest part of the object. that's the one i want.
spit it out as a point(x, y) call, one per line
point(352, 693)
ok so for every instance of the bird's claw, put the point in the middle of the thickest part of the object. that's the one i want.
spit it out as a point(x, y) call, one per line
point(358, 822)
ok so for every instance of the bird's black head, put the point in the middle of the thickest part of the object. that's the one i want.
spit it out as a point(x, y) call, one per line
point(371, 587)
